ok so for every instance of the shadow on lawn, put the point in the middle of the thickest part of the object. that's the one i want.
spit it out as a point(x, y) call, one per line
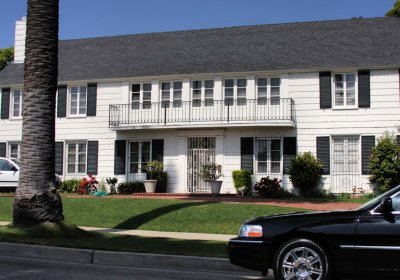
point(136, 221)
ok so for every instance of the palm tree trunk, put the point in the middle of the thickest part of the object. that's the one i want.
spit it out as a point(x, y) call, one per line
point(36, 199)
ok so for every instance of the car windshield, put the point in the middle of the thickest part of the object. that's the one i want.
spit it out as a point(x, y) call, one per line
point(16, 161)
point(379, 198)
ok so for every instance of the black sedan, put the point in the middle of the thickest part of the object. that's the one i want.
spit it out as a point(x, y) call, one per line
point(323, 245)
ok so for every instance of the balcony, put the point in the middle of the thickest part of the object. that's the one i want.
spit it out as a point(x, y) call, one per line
point(204, 114)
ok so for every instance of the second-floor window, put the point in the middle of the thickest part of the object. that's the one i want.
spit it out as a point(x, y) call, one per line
point(345, 90)
point(141, 94)
point(171, 92)
point(77, 101)
point(235, 89)
point(16, 103)
point(268, 88)
point(203, 91)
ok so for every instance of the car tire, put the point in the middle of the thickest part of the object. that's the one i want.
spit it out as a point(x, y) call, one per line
point(302, 259)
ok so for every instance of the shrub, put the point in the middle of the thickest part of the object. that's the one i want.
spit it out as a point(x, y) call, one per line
point(69, 186)
point(130, 187)
point(384, 164)
point(152, 168)
point(305, 173)
point(242, 181)
point(268, 187)
point(162, 180)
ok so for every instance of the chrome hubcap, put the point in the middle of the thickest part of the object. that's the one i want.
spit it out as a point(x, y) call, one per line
point(302, 263)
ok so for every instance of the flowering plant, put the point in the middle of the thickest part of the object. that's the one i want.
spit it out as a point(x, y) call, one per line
point(211, 172)
point(268, 187)
point(88, 185)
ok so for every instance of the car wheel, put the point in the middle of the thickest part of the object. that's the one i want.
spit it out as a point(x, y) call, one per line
point(301, 259)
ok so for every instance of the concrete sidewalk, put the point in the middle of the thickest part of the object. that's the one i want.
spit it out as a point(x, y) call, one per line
point(161, 234)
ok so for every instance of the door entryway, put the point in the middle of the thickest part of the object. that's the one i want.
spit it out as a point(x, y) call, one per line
point(346, 164)
point(200, 151)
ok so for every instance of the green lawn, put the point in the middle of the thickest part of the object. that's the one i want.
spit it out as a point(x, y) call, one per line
point(156, 214)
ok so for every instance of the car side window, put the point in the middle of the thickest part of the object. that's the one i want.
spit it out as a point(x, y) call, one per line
point(396, 202)
point(4, 165)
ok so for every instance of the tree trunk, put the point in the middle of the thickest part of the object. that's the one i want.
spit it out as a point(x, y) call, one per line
point(36, 199)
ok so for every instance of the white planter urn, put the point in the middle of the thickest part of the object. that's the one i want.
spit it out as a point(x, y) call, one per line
point(215, 187)
point(150, 185)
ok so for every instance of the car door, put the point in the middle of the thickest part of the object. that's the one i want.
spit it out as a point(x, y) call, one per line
point(377, 243)
point(9, 173)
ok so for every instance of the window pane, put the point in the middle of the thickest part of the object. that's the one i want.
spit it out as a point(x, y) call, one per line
point(147, 87)
point(275, 82)
point(350, 78)
point(229, 83)
point(262, 82)
point(177, 85)
point(165, 86)
point(196, 84)
point(241, 82)
point(136, 88)
point(209, 84)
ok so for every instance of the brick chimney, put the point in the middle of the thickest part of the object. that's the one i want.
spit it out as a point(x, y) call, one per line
point(19, 46)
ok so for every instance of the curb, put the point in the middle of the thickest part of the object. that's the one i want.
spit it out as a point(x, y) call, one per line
point(120, 258)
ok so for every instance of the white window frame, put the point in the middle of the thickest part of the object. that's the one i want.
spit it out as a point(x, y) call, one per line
point(262, 100)
point(140, 162)
point(16, 114)
point(76, 157)
point(241, 99)
point(204, 93)
point(173, 94)
point(268, 160)
point(81, 111)
point(144, 96)
point(345, 93)
point(9, 150)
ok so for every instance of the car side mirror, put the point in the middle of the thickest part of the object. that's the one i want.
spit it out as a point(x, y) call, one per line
point(13, 168)
point(386, 205)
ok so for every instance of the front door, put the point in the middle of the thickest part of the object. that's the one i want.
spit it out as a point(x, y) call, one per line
point(201, 151)
point(346, 164)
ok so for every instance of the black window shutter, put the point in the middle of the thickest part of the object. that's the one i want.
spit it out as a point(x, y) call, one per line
point(3, 149)
point(59, 158)
point(398, 139)
point(5, 103)
point(364, 89)
point(367, 143)
point(157, 146)
point(91, 100)
point(323, 153)
point(325, 90)
point(92, 157)
point(120, 157)
point(62, 101)
point(289, 151)
point(246, 153)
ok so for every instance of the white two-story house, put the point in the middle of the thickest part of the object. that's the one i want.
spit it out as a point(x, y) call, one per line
point(249, 97)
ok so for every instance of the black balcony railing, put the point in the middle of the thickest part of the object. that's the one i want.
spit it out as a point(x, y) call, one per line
point(195, 112)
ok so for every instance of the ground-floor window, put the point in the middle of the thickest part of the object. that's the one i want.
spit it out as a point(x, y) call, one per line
point(76, 157)
point(14, 150)
point(140, 155)
point(268, 155)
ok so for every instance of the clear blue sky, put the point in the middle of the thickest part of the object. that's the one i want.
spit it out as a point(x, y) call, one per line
point(92, 18)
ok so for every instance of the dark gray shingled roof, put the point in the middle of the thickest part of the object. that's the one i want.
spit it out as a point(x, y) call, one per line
point(360, 43)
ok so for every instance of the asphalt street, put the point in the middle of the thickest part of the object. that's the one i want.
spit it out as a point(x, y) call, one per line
point(41, 269)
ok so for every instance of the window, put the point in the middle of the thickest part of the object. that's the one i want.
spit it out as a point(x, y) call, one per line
point(76, 158)
point(139, 155)
point(235, 88)
point(345, 90)
point(16, 103)
point(141, 93)
point(171, 90)
point(14, 150)
point(268, 155)
point(203, 90)
point(77, 101)
point(268, 88)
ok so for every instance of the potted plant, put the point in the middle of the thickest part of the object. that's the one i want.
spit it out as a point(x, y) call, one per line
point(210, 173)
point(152, 168)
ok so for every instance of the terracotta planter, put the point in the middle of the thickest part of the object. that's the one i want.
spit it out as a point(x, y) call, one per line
point(215, 187)
point(150, 185)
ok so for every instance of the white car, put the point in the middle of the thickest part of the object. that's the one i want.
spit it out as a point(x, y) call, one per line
point(9, 173)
